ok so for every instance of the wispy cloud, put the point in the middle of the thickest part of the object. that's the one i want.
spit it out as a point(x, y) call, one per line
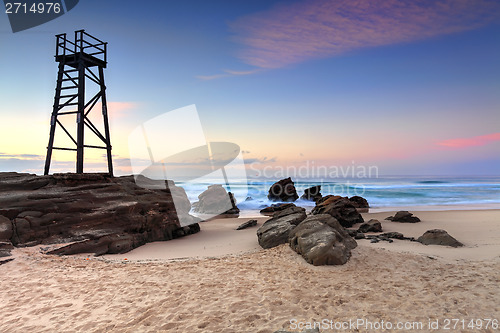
point(293, 33)
point(260, 160)
point(227, 73)
point(470, 142)
point(21, 156)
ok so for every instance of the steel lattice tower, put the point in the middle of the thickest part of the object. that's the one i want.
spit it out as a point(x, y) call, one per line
point(79, 61)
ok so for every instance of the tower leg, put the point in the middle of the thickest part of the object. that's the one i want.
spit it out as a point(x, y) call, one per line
point(105, 118)
point(80, 119)
point(53, 118)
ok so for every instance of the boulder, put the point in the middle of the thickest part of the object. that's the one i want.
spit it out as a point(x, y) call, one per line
point(283, 190)
point(403, 216)
point(438, 237)
point(216, 200)
point(321, 240)
point(339, 208)
point(247, 224)
point(360, 203)
point(276, 208)
point(371, 226)
point(276, 230)
point(95, 213)
point(312, 193)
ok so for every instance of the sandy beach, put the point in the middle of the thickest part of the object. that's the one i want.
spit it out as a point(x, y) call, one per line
point(219, 280)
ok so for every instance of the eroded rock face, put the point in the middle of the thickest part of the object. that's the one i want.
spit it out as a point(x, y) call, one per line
point(276, 230)
point(216, 200)
point(404, 217)
point(283, 190)
point(339, 208)
point(321, 240)
point(438, 237)
point(98, 213)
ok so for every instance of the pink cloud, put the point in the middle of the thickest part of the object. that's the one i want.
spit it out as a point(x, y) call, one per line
point(470, 142)
point(293, 33)
point(117, 109)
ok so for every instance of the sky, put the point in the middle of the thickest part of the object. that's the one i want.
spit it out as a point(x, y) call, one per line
point(410, 87)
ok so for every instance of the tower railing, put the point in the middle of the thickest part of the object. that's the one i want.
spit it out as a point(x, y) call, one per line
point(84, 43)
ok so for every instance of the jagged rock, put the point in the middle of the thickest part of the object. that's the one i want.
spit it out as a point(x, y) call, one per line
point(100, 214)
point(312, 193)
point(360, 203)
point(339, 208)
point(276, 208)
point(276, 230)
point(216, 200)
point(247, 224)
point(438, 237)
point(321, 240)
point(371, 226)
point(283, 190)
point(404, 217)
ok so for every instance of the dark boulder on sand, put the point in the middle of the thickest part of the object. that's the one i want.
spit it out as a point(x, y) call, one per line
point(403, 216)
point(216, 200)
point(438, 237)
point(283, 190)
point(312, 193)
point(339, 208)
point(94, 212)
point(247, 224)
point(321, 240)
point(371, 226)
point(276, 230)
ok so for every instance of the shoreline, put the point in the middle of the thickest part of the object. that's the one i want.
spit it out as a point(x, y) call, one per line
point(218, 238)
point(251, 213)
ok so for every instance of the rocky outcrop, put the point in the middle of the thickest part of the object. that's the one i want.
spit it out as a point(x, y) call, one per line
point(438, 237)
point(247, 224)
point(370, 226)
point(339, 208)
point(404, 217)
point(96, 213)
point(283, 190)
point(276, 230)
point(312, 193)
point(215, 200)
point(321, 240)
point(360, 203)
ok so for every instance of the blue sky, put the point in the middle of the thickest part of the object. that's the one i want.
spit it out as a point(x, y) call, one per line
point(412, 87)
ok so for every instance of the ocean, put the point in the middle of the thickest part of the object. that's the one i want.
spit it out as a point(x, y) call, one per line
point(382, 193)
